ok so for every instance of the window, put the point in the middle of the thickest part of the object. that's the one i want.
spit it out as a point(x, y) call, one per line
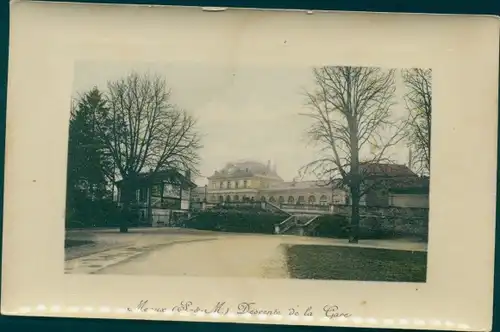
point(228, 198)
point(236, 184)
point(291, 200)
point(312, 200)
point(228, 184)
point(143, 195)
point(262, 199)
point(281, 199)
point(245, 184)
point(155, 190)
point(236, 198)
point(221, 199)
point(272, 199)
point(301, 200)
point(323, 200)
point(221, 185)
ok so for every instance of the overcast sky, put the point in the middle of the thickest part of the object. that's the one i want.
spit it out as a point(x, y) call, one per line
point(243, 113)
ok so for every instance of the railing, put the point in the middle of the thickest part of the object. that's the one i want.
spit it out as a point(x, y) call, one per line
point(210, 205)
point(256, 205)
point(309, 227)
point(305, 207)
point(310, 221)
point(275, 208)
point(285, 225)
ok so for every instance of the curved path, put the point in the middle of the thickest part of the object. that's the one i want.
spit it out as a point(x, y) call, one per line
point(235, 256)
point(197, 253)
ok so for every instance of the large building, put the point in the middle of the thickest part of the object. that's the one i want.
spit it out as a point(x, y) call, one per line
point(388, 185)
point(251, 180)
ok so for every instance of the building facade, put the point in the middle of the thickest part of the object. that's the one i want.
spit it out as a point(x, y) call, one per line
point(394, 185)
point(161, 198)
point(254, 181)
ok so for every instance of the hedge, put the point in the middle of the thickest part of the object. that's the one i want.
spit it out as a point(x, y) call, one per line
point(241, 221)
point(337, 226)
point(334, 226)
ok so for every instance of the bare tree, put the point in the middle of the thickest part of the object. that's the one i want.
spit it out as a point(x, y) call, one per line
point(143, 130)
point(350, 109)
point(419, 104)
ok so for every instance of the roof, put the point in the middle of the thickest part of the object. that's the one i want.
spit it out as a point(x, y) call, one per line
point(385, 170)
point(299, 185)
point(415, 185)
point(247, 168)
point(171, 176)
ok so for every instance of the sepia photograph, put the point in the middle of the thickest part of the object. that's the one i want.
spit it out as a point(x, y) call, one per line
point(313, 172)
point(250, 166)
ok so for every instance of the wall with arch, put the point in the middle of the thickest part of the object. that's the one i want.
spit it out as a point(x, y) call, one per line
point(319, 198)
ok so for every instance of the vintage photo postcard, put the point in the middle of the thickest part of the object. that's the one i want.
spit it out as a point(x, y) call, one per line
point(276, 167)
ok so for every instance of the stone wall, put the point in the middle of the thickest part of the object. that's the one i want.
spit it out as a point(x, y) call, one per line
point(391, 221)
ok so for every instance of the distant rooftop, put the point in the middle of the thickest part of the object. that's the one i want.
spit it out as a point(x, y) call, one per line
point(384, 169)
point(169, 175)
point(298, 185)
point(246, 168)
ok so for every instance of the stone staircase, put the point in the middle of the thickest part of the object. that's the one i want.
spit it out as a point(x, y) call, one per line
point(302, 225)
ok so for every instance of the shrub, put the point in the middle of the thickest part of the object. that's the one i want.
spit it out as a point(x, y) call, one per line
point(338, 226)
point(83, 213)
point(335, 226)
point(230, 220)
point(372, 228)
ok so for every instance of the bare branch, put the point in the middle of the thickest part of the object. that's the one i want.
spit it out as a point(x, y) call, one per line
point(418, 101)
point(351, 107)
point(143, 130)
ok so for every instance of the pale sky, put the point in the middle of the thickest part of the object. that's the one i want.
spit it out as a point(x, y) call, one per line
point(243, 113)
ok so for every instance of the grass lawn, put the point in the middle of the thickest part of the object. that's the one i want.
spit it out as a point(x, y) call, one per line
point(353, 263)
point(75, 243)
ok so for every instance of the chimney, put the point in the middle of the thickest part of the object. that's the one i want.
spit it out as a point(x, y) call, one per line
point(269, 164)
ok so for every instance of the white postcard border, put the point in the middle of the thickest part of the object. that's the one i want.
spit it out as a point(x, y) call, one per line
point(46, 41)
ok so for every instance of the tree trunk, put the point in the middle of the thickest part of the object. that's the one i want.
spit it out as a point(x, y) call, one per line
point(124, 220)
point(128, 198)
point(355, 181)
point(354, 226)
point(150, 207)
